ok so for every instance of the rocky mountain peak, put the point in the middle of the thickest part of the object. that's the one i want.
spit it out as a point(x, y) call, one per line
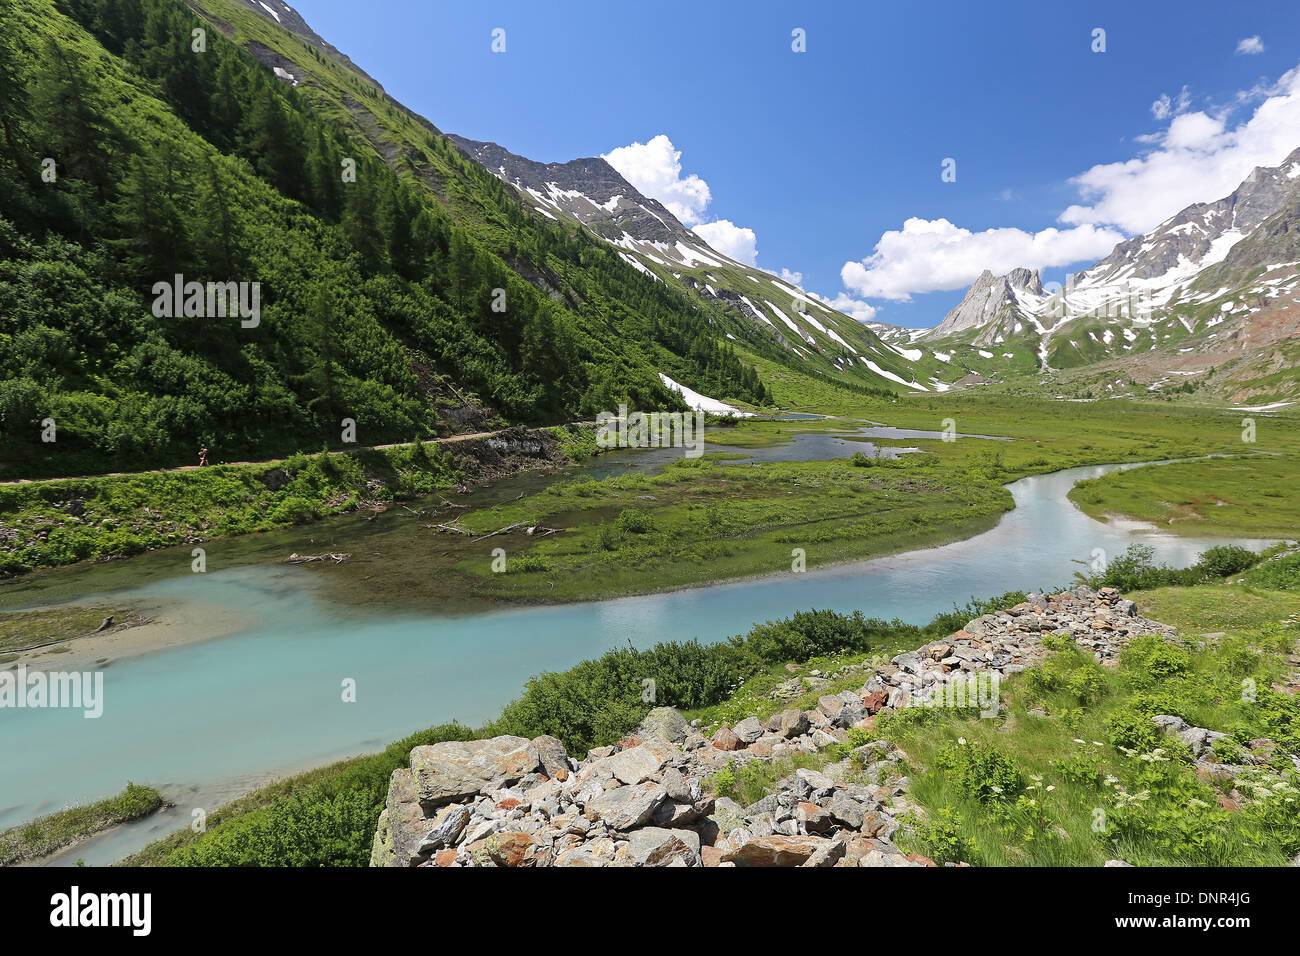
point(987, 298)
point(589, 190)
point(1201, 234)
point(1026, 280)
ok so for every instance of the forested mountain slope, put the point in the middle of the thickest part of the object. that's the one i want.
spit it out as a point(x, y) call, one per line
point(135, 153)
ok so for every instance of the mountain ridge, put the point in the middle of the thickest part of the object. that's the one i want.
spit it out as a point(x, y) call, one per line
point(1199, 292)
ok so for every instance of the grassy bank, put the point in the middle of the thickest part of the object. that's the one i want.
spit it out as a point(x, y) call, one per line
point(51, 833)
point(52, 523)
point(702, 520)
point(1249, 495)
point(58, 522)
point(1132, 430)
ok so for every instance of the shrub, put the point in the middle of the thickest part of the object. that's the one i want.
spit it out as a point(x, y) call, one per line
point(1150, 659)
point(1134, 570)
point(634, 521)
point(1132, 730)
point(1226, 559)
point(981, 771)
point(960, 616)
point(524, 563)
point(1086, 684)
point(939, 837)
point(1058, 642)
point(1083, 768)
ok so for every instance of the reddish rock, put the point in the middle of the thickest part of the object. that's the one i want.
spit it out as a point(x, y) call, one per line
point(923, 860)
point(1225, 802)
point(875, 821)
point(444, 857)
point(505, 849)
point(725, 739)
point(710, 855)
point(856, 848)
point(874, 701)
point(775, 850)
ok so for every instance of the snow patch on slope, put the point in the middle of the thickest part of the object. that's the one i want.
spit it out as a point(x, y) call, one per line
point(702, 402)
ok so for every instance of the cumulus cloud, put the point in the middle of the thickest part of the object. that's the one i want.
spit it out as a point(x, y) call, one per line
point(1251, 45)
point(655, 169)
point(845, 303)
point(738, 242)
point(794, 278)
point(1199, 157)
point(929, 255)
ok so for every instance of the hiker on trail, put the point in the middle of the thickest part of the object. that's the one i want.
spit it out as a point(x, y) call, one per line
point(203, 458)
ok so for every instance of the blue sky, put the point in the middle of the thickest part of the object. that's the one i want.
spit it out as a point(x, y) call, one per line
point(823, 153)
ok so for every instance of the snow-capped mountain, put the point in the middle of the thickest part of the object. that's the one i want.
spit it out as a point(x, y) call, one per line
point(653, 240)
point(588, 190)
point(1185, 288)
point(1199, 235)
point(1148, 273)
point(991, 298)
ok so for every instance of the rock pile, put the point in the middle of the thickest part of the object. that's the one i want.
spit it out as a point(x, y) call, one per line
point(509, 801)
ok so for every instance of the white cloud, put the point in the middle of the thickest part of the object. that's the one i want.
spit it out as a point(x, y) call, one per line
point(794, 278)
point(1251, 45)
point(1200, 157)
point(1165, 106)
point(845, 303)
point(655, 169)
point(932, 255)
point(731, 240)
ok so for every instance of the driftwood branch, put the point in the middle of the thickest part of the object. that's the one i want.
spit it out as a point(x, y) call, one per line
point(336, 557)
point(493, 534)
